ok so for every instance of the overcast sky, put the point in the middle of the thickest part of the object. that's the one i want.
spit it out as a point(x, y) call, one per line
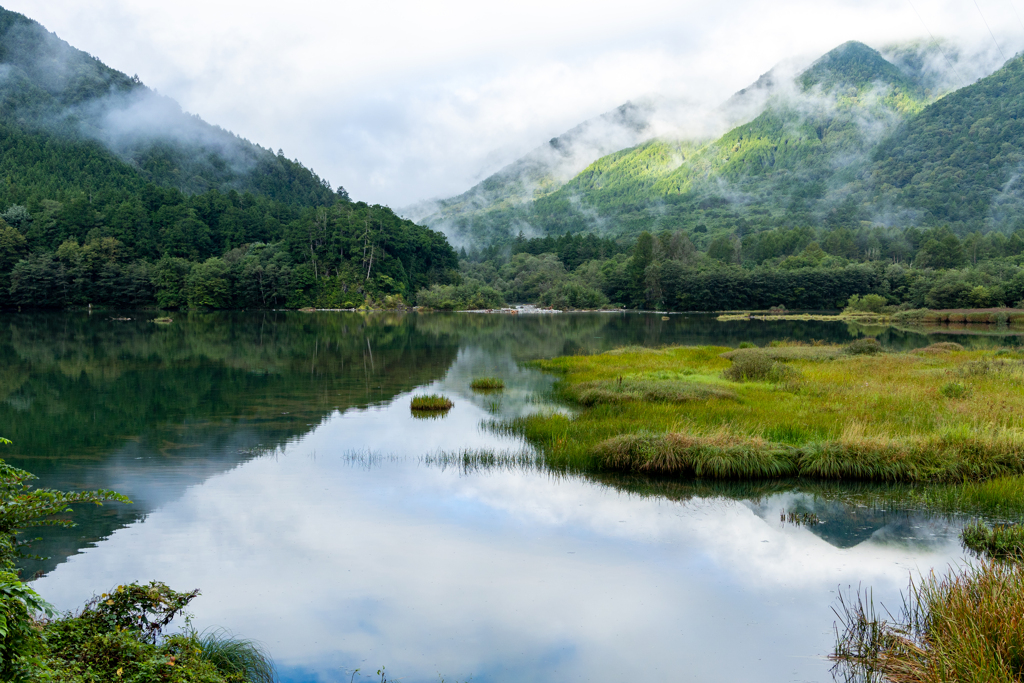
point(400, 101)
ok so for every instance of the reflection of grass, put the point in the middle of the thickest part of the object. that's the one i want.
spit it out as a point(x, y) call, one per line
point(487, 384)
point(469, 460)
point(431, 403)
point(815, 411)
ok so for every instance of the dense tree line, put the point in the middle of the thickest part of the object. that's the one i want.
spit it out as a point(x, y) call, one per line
point(161, 247)
point(803, 268)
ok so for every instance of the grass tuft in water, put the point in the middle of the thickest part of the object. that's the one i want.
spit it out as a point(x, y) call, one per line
point(999, 542)
point(965, 626)
point(431, 403)
point(487, 384)
point(475, 460)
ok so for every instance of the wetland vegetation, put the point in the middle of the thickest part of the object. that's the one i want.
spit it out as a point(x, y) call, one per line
point(817, 411)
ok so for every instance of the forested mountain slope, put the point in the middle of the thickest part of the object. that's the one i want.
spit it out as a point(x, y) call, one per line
point(110, 194)
point(959, 161)
point(49, 88)
point(498, 207)
point(810, 154)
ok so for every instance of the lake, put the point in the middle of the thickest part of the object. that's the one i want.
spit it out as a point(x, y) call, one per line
point(274, 463)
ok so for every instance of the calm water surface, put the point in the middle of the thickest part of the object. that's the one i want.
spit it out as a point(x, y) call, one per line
point(274, 463)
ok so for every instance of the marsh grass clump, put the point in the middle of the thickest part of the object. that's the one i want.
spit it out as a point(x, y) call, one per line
point(431, 403)
point(955, 390)
point(236, 658)
point(863, 347)
point(963, 627)
point(938, 347)
point(1000, 542)
point(487, 384)
point(757, 366)
point(718, 456)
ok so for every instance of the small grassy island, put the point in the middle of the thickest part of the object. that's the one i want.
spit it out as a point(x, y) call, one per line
point(431, 403)
point(939, 414)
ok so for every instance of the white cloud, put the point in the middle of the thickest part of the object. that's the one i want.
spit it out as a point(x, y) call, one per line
point(402, 101)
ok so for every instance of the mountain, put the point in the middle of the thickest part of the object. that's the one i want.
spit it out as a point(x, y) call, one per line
point(51, 91)
point(111, 195)
point(959, 161)
point(487, 211)
point(801, 151)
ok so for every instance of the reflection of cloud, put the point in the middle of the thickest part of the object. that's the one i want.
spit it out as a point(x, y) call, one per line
point(504, 575)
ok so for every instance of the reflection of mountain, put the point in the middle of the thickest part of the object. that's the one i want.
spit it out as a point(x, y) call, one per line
point(149, 410)
point(845, 524)
point(849, 513)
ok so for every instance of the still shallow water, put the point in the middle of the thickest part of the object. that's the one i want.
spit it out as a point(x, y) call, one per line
point(274, 463)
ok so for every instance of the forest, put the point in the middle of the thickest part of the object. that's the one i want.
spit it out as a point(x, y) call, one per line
point(799, 268)
point(111, 195)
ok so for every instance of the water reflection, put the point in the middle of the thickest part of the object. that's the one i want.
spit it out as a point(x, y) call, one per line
point(339, 562)
point(274, 463)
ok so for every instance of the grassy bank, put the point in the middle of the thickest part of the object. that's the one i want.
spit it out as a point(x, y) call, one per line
point(940, 414)
point(918, 317)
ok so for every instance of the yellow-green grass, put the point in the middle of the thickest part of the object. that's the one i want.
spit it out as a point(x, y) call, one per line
point(487, 384)
point(948, 416)
point(431, 402)
point(965, 626)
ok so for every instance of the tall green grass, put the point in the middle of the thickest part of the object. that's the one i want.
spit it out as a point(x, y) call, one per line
point(236, 658)
point(965, 626)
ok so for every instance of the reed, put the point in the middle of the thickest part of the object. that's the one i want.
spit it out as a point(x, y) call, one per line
point(431, 403)
point(965, 626)
point(824, 411)
point(487, 384)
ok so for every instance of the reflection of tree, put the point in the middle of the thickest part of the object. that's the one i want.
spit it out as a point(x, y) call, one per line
point(94, 402)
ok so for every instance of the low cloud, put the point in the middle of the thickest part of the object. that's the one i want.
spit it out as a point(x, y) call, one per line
point(401, 104)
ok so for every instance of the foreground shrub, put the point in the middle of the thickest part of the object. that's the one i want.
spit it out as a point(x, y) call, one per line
point(117, 636)
point(20, 642)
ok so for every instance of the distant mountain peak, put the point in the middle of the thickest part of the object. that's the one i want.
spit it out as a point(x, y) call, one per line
point(853, 64)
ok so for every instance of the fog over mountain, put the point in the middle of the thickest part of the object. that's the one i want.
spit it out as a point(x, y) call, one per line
point(433, 101)
point(871, 91)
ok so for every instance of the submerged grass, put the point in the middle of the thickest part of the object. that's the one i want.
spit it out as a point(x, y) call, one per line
point(824, 411)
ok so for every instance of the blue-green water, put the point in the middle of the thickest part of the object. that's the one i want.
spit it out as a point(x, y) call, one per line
point(274, 463)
